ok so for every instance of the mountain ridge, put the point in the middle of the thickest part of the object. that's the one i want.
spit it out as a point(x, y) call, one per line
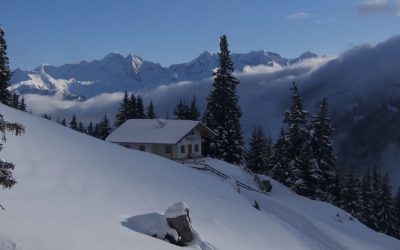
point(115, 73)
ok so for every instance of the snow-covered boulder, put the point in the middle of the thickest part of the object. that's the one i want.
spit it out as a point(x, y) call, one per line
point(263, 183)
point(174, 226)
point(178, 219)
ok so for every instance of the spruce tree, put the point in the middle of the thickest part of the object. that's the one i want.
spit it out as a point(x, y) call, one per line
point(132, 113)
point(150, 114)
point(376, 184)
point(123, 112)
point(6, 178)
point(268, 154)
point(181, 111)
point(73, 123)
point(104, 128)
point(63, 122)
point(5, 73)
point(15, 102)
point(351, 192)
point(223, 113)
point(367, 213)
point(298, 136)
point(22, 105)
point(257, 156)
point(386, 217)
point(337, 190)
point(193, 110)
point(310, 176)
point(81, 128)
point(280, 169)
point(139, 108)
point(96, 130)
point(90, 128)
point(322, 150)
point(47, 117)
point(396, 211)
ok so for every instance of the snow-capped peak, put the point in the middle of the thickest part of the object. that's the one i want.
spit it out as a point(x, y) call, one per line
point(136, 62)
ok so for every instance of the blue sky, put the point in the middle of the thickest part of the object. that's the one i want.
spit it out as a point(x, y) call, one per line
point(175, 31)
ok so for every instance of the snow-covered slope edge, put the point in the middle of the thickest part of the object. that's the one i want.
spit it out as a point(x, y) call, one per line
point(74, 191)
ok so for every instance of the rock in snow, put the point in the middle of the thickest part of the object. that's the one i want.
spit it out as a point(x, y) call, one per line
point(174, 226)
point(178, 218)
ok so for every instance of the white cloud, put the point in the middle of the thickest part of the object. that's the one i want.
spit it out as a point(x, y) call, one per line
point(300, 15)
point(259, 85)
point(371, 7)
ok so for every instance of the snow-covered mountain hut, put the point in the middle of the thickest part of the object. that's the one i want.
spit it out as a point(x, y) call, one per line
point(173, 139)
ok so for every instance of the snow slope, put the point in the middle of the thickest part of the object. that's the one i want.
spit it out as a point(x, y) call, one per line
point(74, 191)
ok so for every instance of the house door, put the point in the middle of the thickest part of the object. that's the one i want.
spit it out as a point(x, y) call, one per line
point(189, 150)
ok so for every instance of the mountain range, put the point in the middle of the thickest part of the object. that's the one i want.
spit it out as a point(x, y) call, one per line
point(115, 73)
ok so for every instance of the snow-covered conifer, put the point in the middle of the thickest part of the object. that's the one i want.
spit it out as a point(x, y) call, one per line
point(367, 215)
point(139, 108)
point(132, 113)
point(90, 128)
point(15, 102)
point(386, 218)
point(351, 194)
point(63, 122)
point(297, 136)
point(280, 169)
point(322, 150)
point(223, 113)
point(22, 105)
point(123, 111)
point(104, 128)
point(5, 73)
point(181, 111)
point(194, 110)
point(73, 123)
point(396, 212)
point(6, 178)
point(257, 156)
point(150, 114)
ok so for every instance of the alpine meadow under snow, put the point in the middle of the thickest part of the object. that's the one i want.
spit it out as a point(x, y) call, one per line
point(77, 192)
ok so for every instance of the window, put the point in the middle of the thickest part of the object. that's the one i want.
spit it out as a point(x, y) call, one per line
point(167, 149)
point(196, 148)
point(142, 147)
point(182, 149)
point(191, 132)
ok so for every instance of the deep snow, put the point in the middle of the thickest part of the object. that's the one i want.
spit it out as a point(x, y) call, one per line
point(74, 192)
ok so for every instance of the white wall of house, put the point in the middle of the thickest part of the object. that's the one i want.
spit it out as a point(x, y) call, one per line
point(164, 150)
point(178, 151)
point(193, 140)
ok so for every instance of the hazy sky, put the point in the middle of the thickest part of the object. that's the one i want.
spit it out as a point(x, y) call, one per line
point(175, 31)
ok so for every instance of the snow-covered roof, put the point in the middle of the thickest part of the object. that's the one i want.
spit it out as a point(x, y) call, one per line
point(155, 131)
